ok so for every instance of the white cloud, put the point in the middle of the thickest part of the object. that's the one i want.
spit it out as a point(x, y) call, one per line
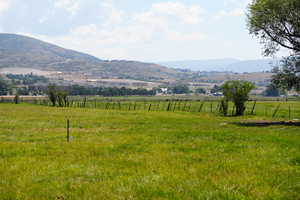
point(72, 6)
point(4, 5)
point(157, 23)
point(113, 15)
point(185, 37)
point(236, 3)
point(233, 8)
point(237, 12)
point(187, 14)
point(125, 38)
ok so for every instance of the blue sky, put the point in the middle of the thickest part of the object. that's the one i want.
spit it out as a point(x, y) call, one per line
point(145, 30)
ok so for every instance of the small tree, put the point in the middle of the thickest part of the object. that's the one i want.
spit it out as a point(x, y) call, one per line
point(180, 89)
point(237, 92)
point(52, 94)
point(57, 96)
point(62, 98)
point(200, 91)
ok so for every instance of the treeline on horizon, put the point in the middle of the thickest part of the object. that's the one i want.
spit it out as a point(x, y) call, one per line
point(34, 85)
point(77, 90)
point(30, 84)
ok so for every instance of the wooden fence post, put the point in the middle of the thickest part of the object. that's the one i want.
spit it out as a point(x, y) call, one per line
point(168, 109)
point(201, 106)
point(68, 130)
point(174, 107)
point(275, 111)
point(184, 106)
point(289, 112)
point(253, 108)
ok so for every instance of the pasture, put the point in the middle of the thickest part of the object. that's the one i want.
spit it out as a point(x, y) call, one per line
point(147, 154)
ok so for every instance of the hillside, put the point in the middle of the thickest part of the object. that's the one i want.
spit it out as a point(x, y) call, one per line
point(18, 51)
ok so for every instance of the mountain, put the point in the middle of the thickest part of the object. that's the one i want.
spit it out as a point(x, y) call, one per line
point(17, 51)
point(203, 65)
point(227, 64)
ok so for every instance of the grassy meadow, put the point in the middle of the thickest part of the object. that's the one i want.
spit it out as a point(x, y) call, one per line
point(137, 154)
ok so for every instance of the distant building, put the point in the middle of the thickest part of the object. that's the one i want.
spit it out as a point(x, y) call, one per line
point(162, 91)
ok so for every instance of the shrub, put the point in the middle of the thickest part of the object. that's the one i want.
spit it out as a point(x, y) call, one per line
point(237, 92)
point(57, 96)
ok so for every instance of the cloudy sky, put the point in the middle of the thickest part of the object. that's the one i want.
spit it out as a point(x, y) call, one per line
point(145, 30)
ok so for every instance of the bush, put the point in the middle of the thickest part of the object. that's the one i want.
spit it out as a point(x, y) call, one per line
point(237, 92)
point(57, 96)
point(200, 91)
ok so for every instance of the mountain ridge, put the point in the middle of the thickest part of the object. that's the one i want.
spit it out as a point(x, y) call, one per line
point(224, 64)
point(26, 52)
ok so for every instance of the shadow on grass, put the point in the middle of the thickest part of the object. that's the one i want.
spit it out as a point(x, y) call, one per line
point(268, 123)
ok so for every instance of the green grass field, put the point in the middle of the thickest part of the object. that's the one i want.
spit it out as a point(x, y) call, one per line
point(120, 154)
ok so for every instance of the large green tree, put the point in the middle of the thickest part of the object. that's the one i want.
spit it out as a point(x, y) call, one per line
point(276, 23)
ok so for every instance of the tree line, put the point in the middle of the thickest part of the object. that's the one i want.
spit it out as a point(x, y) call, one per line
point(79, 90)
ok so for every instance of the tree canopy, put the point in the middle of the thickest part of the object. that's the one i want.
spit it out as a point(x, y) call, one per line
point(272, 91)
point(288, 76)
point(276, 23)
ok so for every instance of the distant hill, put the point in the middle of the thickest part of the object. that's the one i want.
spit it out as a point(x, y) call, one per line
point(227, 64)
point(17, 51)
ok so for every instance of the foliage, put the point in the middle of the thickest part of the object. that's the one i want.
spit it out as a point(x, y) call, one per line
point(276, 23)
point(52, 94)
point(288, 75)
point(57, 96)
point(107, 91)
point(27, 79)
point(224, 106)
point(33, 90)
point(62, 98)
point(200, 91)
point(237, 92)
point(4, 87)
point(272, 91)
point(179, 89)
point(76, 90)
